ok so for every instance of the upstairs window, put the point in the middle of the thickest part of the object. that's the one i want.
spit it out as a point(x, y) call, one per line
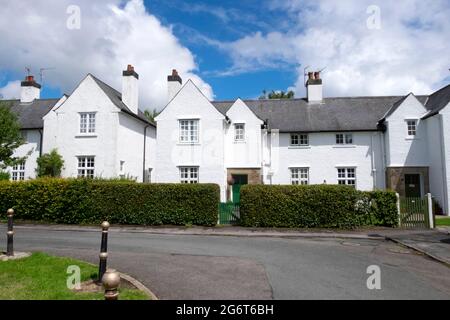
point(18, 172)
point(189, 131)
point(299, 139)
point(344, 138)
point(189, 175)
point(87, 122)
point(347, 176)
point(300, 176)
point(86, 167)
point(239, 132)
point(412, 127)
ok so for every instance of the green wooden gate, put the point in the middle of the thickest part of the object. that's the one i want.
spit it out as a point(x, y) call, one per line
point(414, 213)
point(229, 213)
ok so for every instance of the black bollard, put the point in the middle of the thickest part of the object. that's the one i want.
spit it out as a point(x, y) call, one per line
point(103, 251)
point(10, 234)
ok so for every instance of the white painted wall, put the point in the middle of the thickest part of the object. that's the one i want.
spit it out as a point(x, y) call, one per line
point(403, 150)
point(323, 157)
point(445, 125)
point(436, 155)
point(31, 150)
point(130, 92)
point(248, 153)
point(208, 154)
point(29, 93)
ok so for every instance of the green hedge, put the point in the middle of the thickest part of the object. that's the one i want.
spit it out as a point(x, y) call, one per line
point(324, 206)
point(76, 201)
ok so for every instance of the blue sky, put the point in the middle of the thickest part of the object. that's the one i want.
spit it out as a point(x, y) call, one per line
point(229, 48)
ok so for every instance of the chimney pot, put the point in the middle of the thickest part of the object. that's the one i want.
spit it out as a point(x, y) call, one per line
point(130, 68)
point(311, 75)
point(317, 75)
point(174, 73)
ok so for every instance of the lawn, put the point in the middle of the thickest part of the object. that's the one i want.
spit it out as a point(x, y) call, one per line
point(44, 277)
point(443, 221)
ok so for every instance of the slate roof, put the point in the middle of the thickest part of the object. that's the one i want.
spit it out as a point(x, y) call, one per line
point(30, 114)
point(333, 114)
point(116, 98)
point(437, 101)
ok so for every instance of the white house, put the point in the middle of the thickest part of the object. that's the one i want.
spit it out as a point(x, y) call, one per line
point(98, 131)
point(389, 142)
point(371, 143)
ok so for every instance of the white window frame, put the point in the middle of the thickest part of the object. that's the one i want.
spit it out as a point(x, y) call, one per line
point(18, 172)
point(189, 174)
point(239, 132)
point(299, 176)
point(189, 131)
point(346, 176)
point(302, 140)
point(411, 127)
point(344, 139)
point(86, 167)
point(87, 123)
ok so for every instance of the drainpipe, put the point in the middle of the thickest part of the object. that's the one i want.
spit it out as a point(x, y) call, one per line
point(41, 141)
point(143, 159)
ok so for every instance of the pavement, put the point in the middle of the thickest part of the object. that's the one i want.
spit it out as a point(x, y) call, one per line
point(240, 263)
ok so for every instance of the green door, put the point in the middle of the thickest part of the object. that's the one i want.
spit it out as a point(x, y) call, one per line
point(412, 186)
point(239, 180)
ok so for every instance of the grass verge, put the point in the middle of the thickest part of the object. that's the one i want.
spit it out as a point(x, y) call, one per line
point(443, 221)
point(44, 277)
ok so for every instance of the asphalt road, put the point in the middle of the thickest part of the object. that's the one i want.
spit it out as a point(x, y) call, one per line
point(215, 267)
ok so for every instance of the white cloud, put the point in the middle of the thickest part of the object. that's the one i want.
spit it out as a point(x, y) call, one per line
point(113, 34)
point(11, 90)
point(408, 53)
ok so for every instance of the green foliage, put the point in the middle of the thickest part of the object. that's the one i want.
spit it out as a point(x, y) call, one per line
point(151, 115)
point(83, 201)
point(10, 137)
point(4, 175)
point(277, 95)
point(50, 164)
point(315, 206)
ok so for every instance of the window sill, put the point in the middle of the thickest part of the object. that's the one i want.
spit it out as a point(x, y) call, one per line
point(412, 138)
point(188, 143)
point(345, 146)
point(239, 141)
point(86, 136)
point(299, 147)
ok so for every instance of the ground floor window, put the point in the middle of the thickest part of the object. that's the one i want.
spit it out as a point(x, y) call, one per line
point(347, 176)
point(189, 174)
point(300, 176)
point(86, 167)
point(18, 172)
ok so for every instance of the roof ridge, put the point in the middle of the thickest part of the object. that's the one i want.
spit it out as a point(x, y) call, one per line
point(326, 98)
point(107, 85)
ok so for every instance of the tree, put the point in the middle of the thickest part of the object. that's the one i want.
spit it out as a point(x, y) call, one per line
point(277, 95)
point(50, 164)
point(10, 137)
point(151, 115)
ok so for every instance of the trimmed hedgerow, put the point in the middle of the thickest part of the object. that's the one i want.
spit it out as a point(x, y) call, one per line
point(78, 201)
point(314, 206)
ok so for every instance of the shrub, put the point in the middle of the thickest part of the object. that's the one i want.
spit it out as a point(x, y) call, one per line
point(326, 206)
point(50, 164)
point(4, 176)
point(77, 201)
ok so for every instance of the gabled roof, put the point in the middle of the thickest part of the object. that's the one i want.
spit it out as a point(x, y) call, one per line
point(30, 114)
point(333, 114)
point(437, 101)
point(116, 98)
point(422, 100)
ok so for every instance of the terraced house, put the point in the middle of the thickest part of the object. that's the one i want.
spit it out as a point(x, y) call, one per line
point(395, 142)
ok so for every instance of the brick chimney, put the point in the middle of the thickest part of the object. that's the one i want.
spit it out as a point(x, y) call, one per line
point(314, 87)
point(130, 89)
point(174, 83)
point(30, 90)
